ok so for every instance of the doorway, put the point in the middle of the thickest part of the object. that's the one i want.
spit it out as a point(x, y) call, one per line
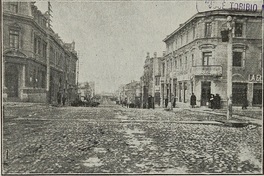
point(180, 92)
point(239, 93)
point(11, 79)
point(257, 94)
point(205, 92)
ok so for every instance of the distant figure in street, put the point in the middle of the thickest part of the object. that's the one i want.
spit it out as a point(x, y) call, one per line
point(244, 103)
point(166, 102)
point(128, 102)
point(64, 97)
point(217, 101)
point(125, 102)
point(211, 100)
point(173, 100)
point(59, 97)
point(169, 107)
point(149, 102)
point(193, 100)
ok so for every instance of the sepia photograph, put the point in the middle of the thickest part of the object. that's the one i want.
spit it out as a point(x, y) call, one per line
point(132, 87)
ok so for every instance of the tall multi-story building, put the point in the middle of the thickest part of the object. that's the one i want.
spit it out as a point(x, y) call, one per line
point(36, 62)
point(196, 58)
point(151, 79)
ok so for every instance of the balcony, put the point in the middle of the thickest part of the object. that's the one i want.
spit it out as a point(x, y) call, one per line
point(207, 70)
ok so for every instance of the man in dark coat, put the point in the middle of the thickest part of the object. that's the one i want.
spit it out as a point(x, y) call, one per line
point(245, 103)
point(166, 102)
point(64, 97)
point(193, 100)
point(217, 101)
point(212, 101)
point(59, 97)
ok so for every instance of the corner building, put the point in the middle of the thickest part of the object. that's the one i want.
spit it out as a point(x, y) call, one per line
point(196, 58)
point(36, 62)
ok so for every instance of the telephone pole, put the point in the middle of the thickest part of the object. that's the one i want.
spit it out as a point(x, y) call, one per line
point(48, 53)
point(229, 66)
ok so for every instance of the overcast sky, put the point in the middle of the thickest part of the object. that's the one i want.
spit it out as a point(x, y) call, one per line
point(113, 37)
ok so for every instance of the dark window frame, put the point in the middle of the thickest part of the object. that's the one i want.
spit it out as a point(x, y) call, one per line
point(208, 29)
point(14, 38)
point(13, 7)
point(238, 29)
point(237, 60)
point(207, 56)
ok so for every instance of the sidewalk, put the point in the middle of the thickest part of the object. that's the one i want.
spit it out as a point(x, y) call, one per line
point(223, 112)
point(22, 104)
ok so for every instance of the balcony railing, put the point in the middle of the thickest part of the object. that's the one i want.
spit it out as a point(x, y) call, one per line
point(207, 70)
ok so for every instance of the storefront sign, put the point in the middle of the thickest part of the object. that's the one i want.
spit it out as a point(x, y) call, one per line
point(254, 78)
point(227, 4)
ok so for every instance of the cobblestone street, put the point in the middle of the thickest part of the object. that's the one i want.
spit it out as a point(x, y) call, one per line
point(113, 139)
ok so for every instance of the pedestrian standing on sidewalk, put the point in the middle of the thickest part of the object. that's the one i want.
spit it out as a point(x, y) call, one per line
point(173, 100)
point(59, 97)
point(166, 102)
point(193, 100)
point(64, 97)
point(212, 101)
point(217, 101)
point(169, 107)
point(245, 103)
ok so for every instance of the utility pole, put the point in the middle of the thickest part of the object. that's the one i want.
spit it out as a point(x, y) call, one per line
point(229, 66)
point(78, 64)
point(48, 53)
point(154, 78)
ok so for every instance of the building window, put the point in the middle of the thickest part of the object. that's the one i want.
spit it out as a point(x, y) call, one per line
point(43, 81)
point(187, 39)
point(181, 40)
point(168, 66)
point(44, 52)
point(13, 7)
point(35, 45)
point(180, 63)
point(157, 81)
point(193, 32)
point(13, 39)
point(237, 59)
point(163, 69)
point(39, 46)
point(176, 66)
point(207, 56)
point(186, 63)
point(171, 64)
point(238, 29)
point(208, 29)
point(192, 60)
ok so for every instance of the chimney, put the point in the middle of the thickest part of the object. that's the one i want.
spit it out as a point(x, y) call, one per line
point(73, 45)
point(164, 53)
point(155, 54)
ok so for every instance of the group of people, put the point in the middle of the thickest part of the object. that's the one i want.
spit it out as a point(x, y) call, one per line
point(170, 104)
point(214, 101)
point(61, 97)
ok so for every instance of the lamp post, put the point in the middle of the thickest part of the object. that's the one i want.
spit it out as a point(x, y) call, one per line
point(229, 66)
